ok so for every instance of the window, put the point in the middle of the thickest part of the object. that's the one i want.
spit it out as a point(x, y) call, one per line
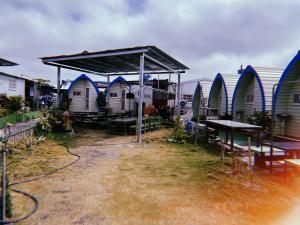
point(249, 99)
point(12, 85)
point(113, 95)
point(87, 97)
point(76, 93)
point(296, 98)
point(188, 98)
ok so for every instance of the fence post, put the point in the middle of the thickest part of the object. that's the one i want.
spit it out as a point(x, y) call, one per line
point(3, 153)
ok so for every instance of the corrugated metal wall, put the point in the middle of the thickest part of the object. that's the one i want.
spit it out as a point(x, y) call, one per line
point(249, 84)
point(284, 102)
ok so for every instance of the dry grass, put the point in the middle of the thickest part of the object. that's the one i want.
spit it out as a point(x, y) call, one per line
point(119, 182)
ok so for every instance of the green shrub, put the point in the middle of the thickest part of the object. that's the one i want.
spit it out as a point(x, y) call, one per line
point(178, 132)
point(263, 119)
point(14, 103)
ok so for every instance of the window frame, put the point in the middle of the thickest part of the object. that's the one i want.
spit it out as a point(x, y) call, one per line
point(78, 93)
point(293, 98)
point(110, 93)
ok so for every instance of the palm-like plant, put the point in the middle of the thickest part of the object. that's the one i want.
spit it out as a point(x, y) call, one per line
point(14, 103)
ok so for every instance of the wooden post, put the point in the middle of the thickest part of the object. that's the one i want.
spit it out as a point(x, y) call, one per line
point(222, 151)
point(250, 159)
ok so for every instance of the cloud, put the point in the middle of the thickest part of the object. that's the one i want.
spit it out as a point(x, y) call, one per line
point(208, 36)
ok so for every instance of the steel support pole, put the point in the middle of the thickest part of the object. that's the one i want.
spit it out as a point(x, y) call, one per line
point(178, 95)
point(141, 96)
point(58, 86)
point(108, 94)
point(3, 154)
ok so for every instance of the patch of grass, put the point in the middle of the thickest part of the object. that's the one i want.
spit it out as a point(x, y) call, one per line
point(44, 158)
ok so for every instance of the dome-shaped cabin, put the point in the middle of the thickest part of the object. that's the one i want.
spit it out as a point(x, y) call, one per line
point(253, 92)
point(83, 92)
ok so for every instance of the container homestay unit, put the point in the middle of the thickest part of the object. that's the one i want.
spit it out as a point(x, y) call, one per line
point(83, 93)
point(187, 90)
point(253, 92)
point(286, 101)
point(221, 92)
point(123, 96)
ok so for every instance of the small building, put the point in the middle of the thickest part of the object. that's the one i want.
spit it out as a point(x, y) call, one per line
point(253, 92)
point(124, 95)
point(117, 91)
point(11, 85)
point(83, 92)
point(286, 101)
point(221, 92)
point(187, 90)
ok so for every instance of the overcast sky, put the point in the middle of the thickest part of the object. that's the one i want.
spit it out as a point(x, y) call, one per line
point(207, 36)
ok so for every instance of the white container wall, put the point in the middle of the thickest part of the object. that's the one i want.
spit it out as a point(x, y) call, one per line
point(11, 85)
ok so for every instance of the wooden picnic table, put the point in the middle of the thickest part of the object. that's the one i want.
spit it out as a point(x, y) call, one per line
point(291, 149)
point(294, 162)
point(124, 122)
point(231, 127)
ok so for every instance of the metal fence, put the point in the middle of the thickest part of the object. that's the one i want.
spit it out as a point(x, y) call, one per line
point(15, 135)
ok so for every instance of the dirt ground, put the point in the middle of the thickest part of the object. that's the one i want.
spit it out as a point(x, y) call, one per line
point(119, 182)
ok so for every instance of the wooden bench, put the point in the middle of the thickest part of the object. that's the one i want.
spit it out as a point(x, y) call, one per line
point(294, 162)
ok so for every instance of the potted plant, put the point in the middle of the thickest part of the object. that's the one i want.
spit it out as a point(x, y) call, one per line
point(263, 119)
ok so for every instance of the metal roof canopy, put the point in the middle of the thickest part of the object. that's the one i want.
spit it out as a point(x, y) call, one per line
point(4, 62)
point(124, 61)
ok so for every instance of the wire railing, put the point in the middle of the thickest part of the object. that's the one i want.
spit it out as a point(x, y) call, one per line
point(18, 118)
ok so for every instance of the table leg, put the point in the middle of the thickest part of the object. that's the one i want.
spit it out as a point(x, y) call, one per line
point(226, 140)
point(232, 140)
point(206, 131)
point(271, 158)
point(257, 138)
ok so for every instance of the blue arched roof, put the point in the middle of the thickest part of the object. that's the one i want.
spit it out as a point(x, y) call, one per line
point(118, 79)
point(250, 70)
point(283, 77)
point(83, 76)
point(219, 76)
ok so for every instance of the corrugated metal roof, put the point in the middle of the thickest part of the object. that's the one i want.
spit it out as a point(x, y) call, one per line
point(117, 61)
point(14, 76)
point(229, 82)
point(189, 86)
point(5, 62)
point(266, 78)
